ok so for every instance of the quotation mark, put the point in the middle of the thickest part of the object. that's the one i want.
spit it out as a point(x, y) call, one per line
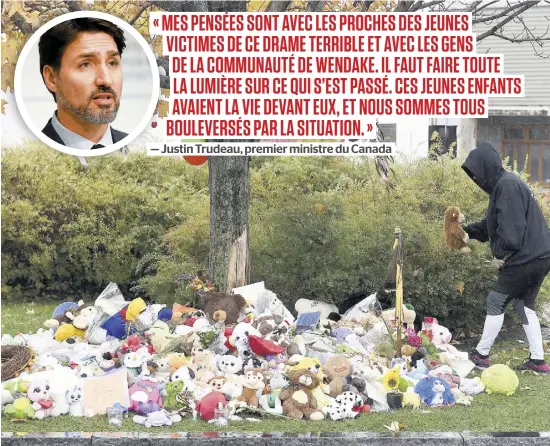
point(156, 22)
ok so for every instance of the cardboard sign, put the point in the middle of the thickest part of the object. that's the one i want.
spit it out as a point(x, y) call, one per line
point(101, 392)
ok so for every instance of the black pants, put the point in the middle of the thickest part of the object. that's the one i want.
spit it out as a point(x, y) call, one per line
point(518, 283)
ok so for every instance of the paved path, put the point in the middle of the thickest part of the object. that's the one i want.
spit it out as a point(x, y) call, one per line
point(275, 439)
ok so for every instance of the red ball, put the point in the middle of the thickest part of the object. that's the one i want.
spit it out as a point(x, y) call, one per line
point(196, 160)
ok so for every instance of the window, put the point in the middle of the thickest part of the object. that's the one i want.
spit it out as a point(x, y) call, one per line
point(529, 143)
point(442, 140)
point(386, 132)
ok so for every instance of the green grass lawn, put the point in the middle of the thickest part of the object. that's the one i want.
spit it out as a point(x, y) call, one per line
point(527, 410)
point(25, 317)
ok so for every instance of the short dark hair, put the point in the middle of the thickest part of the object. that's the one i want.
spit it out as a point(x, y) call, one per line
point(53, 42)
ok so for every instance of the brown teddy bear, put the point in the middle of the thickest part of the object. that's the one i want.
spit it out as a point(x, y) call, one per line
point(298, 401)
point(70, 315)
point(232, 304)
point(455, 236)
point(337, 369)
point(254, 381)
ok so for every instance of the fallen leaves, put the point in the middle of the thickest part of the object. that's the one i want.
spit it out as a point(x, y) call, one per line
point(320, 209)
point(395, 426)
point(162, 109)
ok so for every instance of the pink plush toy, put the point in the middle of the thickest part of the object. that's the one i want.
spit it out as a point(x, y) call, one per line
point(145, 397)
point(441, 338)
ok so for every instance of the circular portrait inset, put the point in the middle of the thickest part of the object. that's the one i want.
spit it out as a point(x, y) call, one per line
point(86, 83)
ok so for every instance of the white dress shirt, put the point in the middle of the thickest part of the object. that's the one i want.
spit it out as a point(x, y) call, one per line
point(76, 141)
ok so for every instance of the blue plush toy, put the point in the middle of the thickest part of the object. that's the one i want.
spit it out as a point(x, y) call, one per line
point(165, 314)
point(434, 392)
point(418, 372)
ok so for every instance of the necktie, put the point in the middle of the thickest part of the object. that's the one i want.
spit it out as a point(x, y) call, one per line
point(97, 146)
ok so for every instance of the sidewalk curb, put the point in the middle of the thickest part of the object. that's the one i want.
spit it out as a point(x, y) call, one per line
point(274, 438)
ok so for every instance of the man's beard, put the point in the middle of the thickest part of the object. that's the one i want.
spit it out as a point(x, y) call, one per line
point(106, 115)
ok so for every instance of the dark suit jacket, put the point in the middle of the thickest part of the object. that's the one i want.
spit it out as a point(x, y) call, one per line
point(50, 132)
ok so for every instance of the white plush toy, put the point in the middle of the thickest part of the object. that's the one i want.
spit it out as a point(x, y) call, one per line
point(278, 381)
point(157, 419)
point(264, 301)
point(88, 369)
point(187, 375)
point(441, 338)
point(232, 389)
point(348, 400)
point(311, 306)
point(74, 399)
point(162, 373)
point(272, 304)
point(239, 338)
point(461, 398)
point(86, 316)
point(229, 364)
point(61, 404)
point(342, 407)
point(271, 403)
point(334, 411)
point(472, 386)
point(39, 393)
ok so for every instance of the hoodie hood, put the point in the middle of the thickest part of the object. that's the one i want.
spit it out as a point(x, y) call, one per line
point(484, 166)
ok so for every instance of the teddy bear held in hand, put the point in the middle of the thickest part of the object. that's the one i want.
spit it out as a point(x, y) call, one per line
point(455, 236)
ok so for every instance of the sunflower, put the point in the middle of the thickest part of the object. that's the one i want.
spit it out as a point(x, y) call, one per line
point(391, 380)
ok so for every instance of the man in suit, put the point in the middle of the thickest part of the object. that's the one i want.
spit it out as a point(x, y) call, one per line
point(80, 63)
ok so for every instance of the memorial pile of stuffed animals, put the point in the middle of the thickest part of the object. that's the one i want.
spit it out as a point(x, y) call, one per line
point(237, 356)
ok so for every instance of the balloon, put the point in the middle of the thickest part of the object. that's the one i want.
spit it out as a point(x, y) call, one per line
point(196, 160)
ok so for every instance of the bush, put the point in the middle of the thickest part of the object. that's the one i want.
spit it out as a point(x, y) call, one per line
point(323, 227)
point(67, 232)
point(320, 228)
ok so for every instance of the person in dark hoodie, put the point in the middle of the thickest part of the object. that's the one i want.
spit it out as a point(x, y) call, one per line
point(520, 243)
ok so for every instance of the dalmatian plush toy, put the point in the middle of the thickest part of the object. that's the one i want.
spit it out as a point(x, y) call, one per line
point(335, 411)
point(349, 400)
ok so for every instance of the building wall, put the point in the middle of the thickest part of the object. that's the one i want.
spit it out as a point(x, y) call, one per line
point(521, 58)
point(491, 129)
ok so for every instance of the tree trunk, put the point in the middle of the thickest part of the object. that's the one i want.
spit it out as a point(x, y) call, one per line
point(466, 136)
point(229, 262)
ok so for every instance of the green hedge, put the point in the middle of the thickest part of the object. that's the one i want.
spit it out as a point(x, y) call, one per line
point(67, 232)
point(320, 227)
